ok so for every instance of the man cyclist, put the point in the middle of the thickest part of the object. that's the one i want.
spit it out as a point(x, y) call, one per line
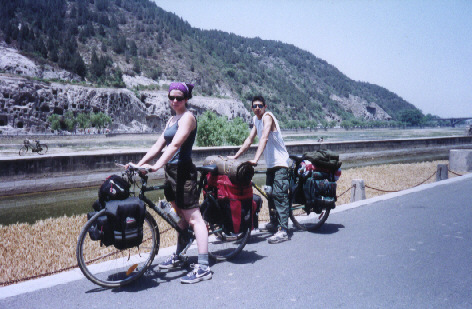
point(271, 144)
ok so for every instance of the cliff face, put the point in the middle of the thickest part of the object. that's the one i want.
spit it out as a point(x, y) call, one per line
point(26, 104)
point(362, 109)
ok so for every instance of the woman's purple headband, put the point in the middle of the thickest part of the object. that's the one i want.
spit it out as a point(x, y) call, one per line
point(185, 88)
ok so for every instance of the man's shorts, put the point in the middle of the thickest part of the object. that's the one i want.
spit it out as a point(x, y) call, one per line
point(181, 185)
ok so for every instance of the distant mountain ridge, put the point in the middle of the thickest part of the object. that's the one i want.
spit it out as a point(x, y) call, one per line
point(115, 43)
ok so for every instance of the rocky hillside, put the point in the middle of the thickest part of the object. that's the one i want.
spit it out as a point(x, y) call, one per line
point(26, 102)
point(132, 49)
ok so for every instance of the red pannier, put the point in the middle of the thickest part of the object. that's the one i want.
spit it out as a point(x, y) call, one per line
point(236, 204)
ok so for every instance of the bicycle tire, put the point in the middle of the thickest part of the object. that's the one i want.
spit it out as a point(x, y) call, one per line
point(44, 149)
point(23, 150)
point(223, 246)
point(307, 222)
point(110, 267)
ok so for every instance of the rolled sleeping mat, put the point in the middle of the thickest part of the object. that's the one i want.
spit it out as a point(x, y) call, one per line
point(239, 172)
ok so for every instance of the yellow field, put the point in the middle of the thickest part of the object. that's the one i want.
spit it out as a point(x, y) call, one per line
point(49, 245)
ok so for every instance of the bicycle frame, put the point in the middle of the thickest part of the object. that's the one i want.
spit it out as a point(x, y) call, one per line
point(151, 204)
point(144, 189)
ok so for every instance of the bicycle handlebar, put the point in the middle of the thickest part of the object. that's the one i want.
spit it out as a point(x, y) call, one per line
point(133, 167)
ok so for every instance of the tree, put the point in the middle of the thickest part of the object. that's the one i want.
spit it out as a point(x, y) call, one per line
point(83, 120)
point(55, 122)
point(214, 130)
point(100, 120)
point(133, 49)
point(411, 117)
point(78, 65)
point(346, 124)
point(236, 131)
point(210, 130)
point(70, 121)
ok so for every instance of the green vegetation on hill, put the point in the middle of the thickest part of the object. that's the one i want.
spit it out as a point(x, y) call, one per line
point(101, 40)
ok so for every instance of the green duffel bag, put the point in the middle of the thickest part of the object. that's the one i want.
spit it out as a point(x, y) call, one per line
point(324, 159)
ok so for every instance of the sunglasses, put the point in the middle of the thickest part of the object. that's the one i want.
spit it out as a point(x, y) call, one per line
point(179, 98)
point(261, 106)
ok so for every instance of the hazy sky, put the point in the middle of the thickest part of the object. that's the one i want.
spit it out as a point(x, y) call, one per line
point(421, 50)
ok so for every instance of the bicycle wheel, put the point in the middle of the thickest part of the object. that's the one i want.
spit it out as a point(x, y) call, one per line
point(44, 149)
point(225, 246)
point(23, 151)
point(110, 267)
point(307, 222)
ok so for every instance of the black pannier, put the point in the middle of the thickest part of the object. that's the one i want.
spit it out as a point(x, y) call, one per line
point(211, 211)
point(101, 229)
point(319, 194)
point(121, 225)
point(127, 217)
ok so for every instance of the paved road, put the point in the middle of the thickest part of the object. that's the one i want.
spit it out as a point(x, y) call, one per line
point(405, 250)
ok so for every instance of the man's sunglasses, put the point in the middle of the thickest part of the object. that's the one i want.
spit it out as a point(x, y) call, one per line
point(261, 106)
point(179, 98)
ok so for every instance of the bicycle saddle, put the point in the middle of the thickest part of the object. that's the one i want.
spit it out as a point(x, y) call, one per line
point(296, 158)
point(208, 169)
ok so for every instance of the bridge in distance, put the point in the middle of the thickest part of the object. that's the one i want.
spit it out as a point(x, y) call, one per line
point(453, 121)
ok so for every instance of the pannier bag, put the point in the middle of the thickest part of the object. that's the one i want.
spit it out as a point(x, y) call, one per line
point(318, 173)
point(319, 194)
point(121, 225)
point(235, 206)
point(113, 188)
point(239, 172)
point(101, 230)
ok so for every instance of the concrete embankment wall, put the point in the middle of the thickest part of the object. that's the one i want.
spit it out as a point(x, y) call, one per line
point(102, 161)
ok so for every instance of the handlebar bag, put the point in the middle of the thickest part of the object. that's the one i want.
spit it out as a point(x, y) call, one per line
point(113, 188)
point(127, 219)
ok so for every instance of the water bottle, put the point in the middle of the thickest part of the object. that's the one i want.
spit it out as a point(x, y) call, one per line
point(268, 190)
point(167, 208)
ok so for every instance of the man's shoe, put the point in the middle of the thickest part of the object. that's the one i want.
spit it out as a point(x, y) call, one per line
point(199, 273)
point(278, 237)
point(172, 261)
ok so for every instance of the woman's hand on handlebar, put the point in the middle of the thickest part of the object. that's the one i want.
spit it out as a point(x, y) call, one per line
point(143, 168)
point(147, 167)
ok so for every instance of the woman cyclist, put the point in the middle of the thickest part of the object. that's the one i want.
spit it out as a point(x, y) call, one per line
point(181, 179)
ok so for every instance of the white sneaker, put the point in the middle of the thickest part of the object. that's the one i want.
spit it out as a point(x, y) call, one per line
point(278, 237)
point(199, 273)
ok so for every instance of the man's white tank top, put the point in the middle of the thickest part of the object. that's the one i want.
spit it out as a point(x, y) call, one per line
point(275, 153)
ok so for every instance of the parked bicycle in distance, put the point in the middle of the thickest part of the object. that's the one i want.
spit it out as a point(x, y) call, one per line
point(110, 267)
point(36, 147)
point(303, 217)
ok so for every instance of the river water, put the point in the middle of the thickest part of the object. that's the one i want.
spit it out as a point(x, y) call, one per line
point(28, 208)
